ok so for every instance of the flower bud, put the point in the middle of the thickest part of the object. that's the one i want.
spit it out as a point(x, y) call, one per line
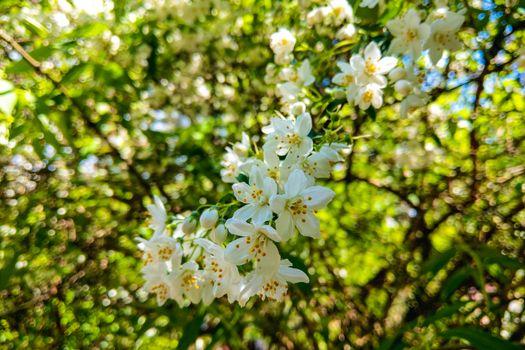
point(397, 74)
point(298, 108)
point(403, 87)
point(218, 234)
point(346, 33)
point(209, 218)
point(188, 225)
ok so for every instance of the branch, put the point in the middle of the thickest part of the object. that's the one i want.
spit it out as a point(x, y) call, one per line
point(80, 109)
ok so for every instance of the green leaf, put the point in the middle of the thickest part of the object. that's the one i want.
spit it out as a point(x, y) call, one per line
point(494, 256)
point(75, 73)
point(7, 97)
point(455, 280)
point(35, 27)
point(191, 331)
point(88, 30)
point(479, 339)
point(7, 271)
point(438, 261)
point(444, 312)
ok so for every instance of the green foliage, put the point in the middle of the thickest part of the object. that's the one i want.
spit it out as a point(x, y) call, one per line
point(422, 247)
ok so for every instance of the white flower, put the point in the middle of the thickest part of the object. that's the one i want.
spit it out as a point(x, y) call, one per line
point(255, 241)
point(443, 37)
point(403, 87)
point(317, 15)
point(230, 163)
point(372, 67)
point(411, 104)
point(346, 33)
point(186, 281)
point(346, 77)
point(256, 195)
point(158, 215)
point(409, 34)
point(289, 136)
point(370, 94)
point(304, 72)
point(220, 270)
point(282, 42)
point(160, 248)
point(209, 218)
point(158, 282)
point(297, 205)
point(315, 166)
point(397, 73)
point(341, 11)
point(270, 278)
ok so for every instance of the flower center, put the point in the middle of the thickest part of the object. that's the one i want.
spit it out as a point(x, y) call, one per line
point(441, 38)
point(293, 139)
point(189, 281)
point(367, 96)
point(298, 207)
point(165, 253)
point(161, 290)
point(273, 289)
point(370, 67)
point(284, 41)
point(411, 35)
point(348, 79)
point(256, 193)
point(148, 258)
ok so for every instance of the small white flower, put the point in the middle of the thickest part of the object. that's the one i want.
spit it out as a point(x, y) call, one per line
point(370, 94)
point(341, 11)
point(189, 225)
point(409, 34)
point(230, 163)
point(348, 32)
point(270, 278)
point(158, 282)
point(209, 218)
point(186, 281)
point(304, 72)
point(443, 37)
point(158, 215)
point(256, 195)
point(297, 205)
point(317, 15)
point(282, 42)
point(403, 87)
point(220, 270)
point(346, 77)
point(372, 67)
point(160, 248)
point(397, 73)
point(218, 234)
point(289, 136)
point(255, 241)
point(411, 104)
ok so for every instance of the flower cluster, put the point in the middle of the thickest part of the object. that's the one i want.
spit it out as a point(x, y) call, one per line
point(280, 196)
point(231, 249)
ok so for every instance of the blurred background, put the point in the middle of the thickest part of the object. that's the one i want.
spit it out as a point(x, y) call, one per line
point(115, 101)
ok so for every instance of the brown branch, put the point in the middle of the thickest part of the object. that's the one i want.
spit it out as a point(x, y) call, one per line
point(80, 109)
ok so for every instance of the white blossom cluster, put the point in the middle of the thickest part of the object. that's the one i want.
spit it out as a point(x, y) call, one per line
point(232, 249)
point(280, 196)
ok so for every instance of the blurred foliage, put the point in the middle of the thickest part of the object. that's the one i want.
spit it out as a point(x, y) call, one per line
point(422, 247)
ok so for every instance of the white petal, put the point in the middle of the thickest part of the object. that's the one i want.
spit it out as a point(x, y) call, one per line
point(237, 252)
point(304, 124)
point(317, 197)
point(209, 246)
point(239, 227)
point(386, 64)
point(277, 203)
point(372, 52)
point(295, 184)
point(270, 232)
point(293, 275)
point(241, 191)
point(245, 212)
point(308, 225)
point(261, 215)
point(284, 225)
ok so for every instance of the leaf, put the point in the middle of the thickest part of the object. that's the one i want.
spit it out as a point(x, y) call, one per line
point(7, 271)
point(35, 27)
point(444, 312)
point(75, 73)
point(454, 281)
point(88, 30)
point(438, 261)
point(371, 113)
point(7, 97)
point(479, 339)
point(493, 256)
point(191, 331)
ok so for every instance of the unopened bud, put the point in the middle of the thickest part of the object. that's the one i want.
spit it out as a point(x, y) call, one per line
point(397, 74)
point(403, 87)
point(209, 218)
point(298, 108)
point(188, 225)
point(218, 234)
